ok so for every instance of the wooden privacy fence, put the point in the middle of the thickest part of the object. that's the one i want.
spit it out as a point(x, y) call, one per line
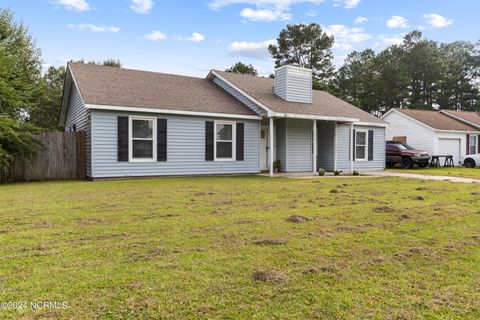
point(62, 157)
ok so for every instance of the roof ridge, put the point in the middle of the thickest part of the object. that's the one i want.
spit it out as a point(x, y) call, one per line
point(93, 65)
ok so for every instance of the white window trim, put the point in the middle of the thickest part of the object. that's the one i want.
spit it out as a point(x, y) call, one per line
point(130, 140)
point(470, 145)
point(234, 140)
point(366, 145)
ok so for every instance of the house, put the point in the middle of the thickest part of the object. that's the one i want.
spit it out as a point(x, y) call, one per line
point(433, 131)
point(141, 123)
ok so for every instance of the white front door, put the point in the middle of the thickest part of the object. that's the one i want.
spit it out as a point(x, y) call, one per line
point(264, 148)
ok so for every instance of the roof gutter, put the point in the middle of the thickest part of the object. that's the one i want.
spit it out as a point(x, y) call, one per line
point(169, 111)
point(313, 117)
point(372, 124)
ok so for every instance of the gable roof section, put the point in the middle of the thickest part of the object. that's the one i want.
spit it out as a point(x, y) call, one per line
point(323, 105)
point(469, 117)
point(102, 86)
point(434, 120)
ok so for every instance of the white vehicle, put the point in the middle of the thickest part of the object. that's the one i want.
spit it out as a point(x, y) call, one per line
point(472, 160)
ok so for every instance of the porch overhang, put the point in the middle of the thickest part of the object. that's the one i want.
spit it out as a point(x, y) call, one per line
point(313, 117)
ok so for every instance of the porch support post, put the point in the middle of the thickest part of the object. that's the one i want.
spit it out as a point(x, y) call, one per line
point(270, 147)
point(335, 148)
point(351, 148)
point(314, 146)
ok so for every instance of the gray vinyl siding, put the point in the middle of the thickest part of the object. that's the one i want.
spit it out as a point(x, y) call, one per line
point(294, 84)
point(79, 116)
point(344, 145)
point(326, 145)
point(185, 148)
point(281, 136)
point(239, 96)
point(280, 85)
point(299, 145)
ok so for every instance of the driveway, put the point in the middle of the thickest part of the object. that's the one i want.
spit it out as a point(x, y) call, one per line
point(420, 176)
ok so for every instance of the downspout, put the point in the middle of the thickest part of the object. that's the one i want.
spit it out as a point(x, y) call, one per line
point(351, 148)
point(271, 146)
point(315, 146)
point(335, 148)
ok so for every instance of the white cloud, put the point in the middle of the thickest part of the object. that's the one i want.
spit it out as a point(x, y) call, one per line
point(74, 5)
point(155, 36)
point(347, 4)
point(346, 38)
point(217, 4)
point(93, 28)
point(266, 14)
point(266, 10)
point(437, 21)
point(360, 20)
point(397, 22)
point(195, 37)
point(258, 50)
point(141, 6)
point(384, 41)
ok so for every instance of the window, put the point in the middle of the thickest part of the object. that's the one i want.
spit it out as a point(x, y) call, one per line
point(224, 140)
point(393, 148)
point(142, 142)
point(361, 145)
point(472, 145)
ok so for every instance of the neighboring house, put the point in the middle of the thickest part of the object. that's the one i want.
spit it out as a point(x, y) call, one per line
point(472, 119)
point(141, 123)
point(432, 131)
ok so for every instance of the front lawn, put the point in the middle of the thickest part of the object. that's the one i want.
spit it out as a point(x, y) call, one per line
point(442, 171)
point(221, 248)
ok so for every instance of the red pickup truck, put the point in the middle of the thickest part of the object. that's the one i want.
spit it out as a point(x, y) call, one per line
point(405, 155)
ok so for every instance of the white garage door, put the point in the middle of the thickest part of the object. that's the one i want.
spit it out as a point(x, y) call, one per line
point(450, 147)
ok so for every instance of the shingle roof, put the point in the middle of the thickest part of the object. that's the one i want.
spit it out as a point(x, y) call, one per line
point(324, 104)
point(133, 88)
point(436, 120)
point(472, 117)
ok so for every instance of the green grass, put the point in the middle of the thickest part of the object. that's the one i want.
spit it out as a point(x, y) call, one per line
point(442, 171)
point(184, 248)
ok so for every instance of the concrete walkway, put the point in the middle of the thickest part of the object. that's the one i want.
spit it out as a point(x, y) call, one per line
point(420, 176)
point(310, 175)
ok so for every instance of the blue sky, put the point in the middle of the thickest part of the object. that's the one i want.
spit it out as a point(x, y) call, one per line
point(190, 37)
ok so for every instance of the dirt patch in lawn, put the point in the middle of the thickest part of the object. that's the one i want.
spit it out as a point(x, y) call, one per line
point(269, 242)
point(418, 198)
point(90, 221)
point(268, 276)
point(298, 218)
point(329, 268)
point(382, 209)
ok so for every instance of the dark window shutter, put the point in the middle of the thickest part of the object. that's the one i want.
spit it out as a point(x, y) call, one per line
point(240, 141)
point(209, 132)
point(468, 144)
point(478, 143)
point(353, 143)
point(122, 127)
point(161, 139)
point(370, 145)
